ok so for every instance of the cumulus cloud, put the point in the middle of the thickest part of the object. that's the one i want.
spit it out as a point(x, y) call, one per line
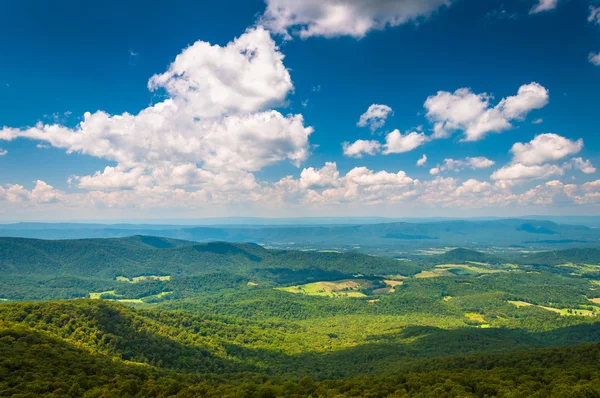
point(3, 152)
point(396, 142)
point(360, 147)
point(332, 18)
point(472, 114)
point(215, 125)
point(328, 176)
point(422, 161)
point(375, 116)
point(544, 5)
point(545, 148)
point(595, 58)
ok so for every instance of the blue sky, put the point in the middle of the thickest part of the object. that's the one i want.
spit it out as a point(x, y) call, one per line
point(258, 127)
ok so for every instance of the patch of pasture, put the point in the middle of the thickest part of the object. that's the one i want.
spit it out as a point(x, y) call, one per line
point(343, 288)
point(98, 295)
point(436, 273)
point(475, 317)
point(138, 279)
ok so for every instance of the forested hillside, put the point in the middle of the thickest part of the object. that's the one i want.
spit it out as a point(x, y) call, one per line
point(86, 348)
point(151, 316)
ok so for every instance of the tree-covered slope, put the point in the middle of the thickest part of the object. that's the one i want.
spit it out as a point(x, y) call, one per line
point(140, 255)
point(94, 348)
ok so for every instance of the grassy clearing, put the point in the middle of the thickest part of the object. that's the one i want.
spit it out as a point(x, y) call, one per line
point(343, 288)
point(475, 317)
point(436, 273)
point(595, 300)
point(447, 298)
point(139, 279)
point(393, 283)
point(98, 295)
point(252, 284)
point(482, 268)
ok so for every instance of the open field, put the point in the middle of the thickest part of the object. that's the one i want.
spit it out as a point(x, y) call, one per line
point(343, 288)
point(139, 279)
point(474, 316)
point(98, 295)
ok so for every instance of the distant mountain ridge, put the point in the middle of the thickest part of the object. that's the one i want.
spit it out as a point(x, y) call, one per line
point(457, 233)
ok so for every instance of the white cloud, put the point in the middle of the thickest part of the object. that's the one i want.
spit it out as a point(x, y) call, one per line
point(520, 171)
point(532, 160)
point(328, 176)
point(331, 18)
point(215, 126)
point(544, 5)
point(3, 152)
point(247, 75)
point(585, 166)
point(396, 142)
point(594, 16)
point(595, 58)
point(326, 186)
point(545, 148)
point(471, 113)
point(42, 193)
point(479, 162)
point(360, 147)
point(422, 161)
point(375, 116)
point(538, 121)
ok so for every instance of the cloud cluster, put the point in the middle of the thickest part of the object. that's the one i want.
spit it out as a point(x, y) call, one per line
point(332, 18)
point(462, 110)
point(214, 128)
point(395, 142)
point(326, 186)
point(537, 159)
point(472, 114)
point(479, 162)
